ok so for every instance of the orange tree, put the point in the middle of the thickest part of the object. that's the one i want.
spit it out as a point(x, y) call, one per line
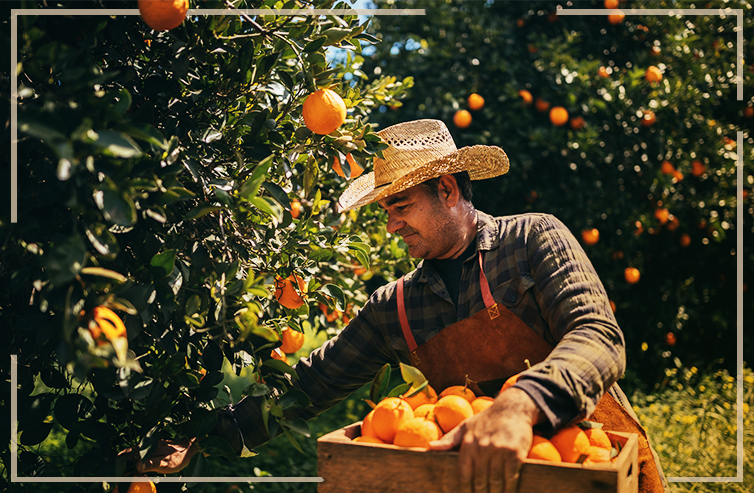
point(156, 173)
point(648, 163)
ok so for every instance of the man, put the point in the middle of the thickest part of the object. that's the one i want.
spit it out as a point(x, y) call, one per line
point(490, 293)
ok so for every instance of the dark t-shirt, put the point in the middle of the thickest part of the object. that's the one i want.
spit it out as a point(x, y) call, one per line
point(450, 270)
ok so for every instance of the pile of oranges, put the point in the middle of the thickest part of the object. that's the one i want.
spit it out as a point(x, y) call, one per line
point(573, 444)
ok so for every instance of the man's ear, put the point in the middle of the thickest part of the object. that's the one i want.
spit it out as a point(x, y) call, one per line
point(448, 191)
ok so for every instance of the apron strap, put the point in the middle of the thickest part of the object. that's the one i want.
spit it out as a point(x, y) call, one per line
point(489, 302)
point(404, 319)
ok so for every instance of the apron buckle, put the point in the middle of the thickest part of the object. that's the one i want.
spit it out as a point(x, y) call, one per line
point(493, 312)
point(414, 358)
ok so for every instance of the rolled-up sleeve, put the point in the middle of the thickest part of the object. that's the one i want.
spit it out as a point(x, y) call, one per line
point(590, 354)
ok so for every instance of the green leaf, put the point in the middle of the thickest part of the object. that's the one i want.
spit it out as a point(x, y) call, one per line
point(278, 194)
point(315, 45)
point(101, 272)
point(164, 260)
point(278, 365)
point(200, 211)
point(293, 440)
point(117, 144)
point(379, 383)
point(36, 435)
point(215, 445)
point(298, 425)
point(336, 293)
point(294, 398)
point(412, 376)
point(399, 390)
point(116, 207)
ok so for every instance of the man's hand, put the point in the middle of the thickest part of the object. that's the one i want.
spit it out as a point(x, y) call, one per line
point(494, 443)
point(169, 457)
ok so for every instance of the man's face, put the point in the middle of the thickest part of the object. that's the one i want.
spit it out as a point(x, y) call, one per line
point(423, 220)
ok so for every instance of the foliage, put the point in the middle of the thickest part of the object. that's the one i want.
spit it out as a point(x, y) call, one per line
point(156, 173)
point(607, 175)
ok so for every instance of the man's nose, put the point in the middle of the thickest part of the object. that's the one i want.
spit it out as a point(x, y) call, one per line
point(394, 224)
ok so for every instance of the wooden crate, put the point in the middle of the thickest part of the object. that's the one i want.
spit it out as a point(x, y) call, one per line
point(353, 467)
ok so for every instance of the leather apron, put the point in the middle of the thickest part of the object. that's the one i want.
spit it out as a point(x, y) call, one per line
point(489, 347)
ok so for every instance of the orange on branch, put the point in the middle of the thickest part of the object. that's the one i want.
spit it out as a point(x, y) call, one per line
point(611, 4)
point(662, 215)
point(140, 487)
point(105, 326)
point(163, 15)
point(461, 390)
point(279, 355)
point(426, 396)
point(450, 410)
point(543, 449)
point(590, 236)
point(475, 102)
point(572, 443)
point(632, 275)
point(293, 340)
point(323, 111)
point(668, 168)
point(286, 293)
point(481, 403)
point(388, 415)
point(558, 116)
point(653, 74)
point(462, 119)
point(541, 105)
point(295, 209)
point(670, 339)
point(578, 123)
point(697, 168)
point(356, 170)
point(526, 96)
point(685, 240)
point(749, 112)
point(417, 432)
point(616, 18)
point(602, 72)
point(648, 118)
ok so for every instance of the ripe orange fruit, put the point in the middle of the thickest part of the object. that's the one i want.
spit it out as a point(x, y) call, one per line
point(572, 443)
point(616, 18)
point(749, 112)
point(653, 74)
point(611, 4)
point(597, 454)
point(330, 316)
point(526, 96)
point(697, 168)
point(146, 487)
point(520, 23)
point(475, 102)
point(543, 449)
point(286, 293)
point(421, 397)
point(668, 168)
point(451, 410)
point(612, 306)
point(602, 72)
point(462, 119)
point(685, 240)
point(163, 15)
point(598, 438)
point(558, 116)
point(279, 355)
point(105, 325)
point(670, 339)
point(654, 51)
point(464, 392)
point(356, 170)
point(388, 415)
point(425, 411)
point(541, 105)
point(417, 432)
point(677, 175)
point(577, 123)
point(364, 439)
point(632, 275)
point(590, 236)
point(293, 340)
point(648, 119)
point(673, 223)
point(295, 209)
point(323, 111)
point(481, 403)
point(367, 428)
point(662, 215)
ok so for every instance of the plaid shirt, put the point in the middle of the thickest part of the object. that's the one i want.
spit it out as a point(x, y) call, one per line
point(536, 268)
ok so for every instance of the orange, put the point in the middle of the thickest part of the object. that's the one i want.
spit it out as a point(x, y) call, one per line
point(475, 102)
point(602, 72)
point(526, 96)
point(543, 449)
point(520, 23)
point(293, 340)
point(577, 123)
point(611, 4)
point(279, 355)
point(654, 51)
point(367, 429)
point(673, 224)
point(685, 240)
point(541, 105)
point(462, 119)
point(356, 170)
point(653, 74)
point(464, 392)
point(105, 323)
point(510, 382)
point(417, 432)
point(330, 316)
point(639, 228)
point(364, 439)
point(748, 112)
point(558, 116)
point(597, 454)
point(598, 438)
point(425, 411)
point(572, 443)
point(616, 18)
point(388, 415)
point(677, 175)
point(697, 168)
point(295, 209)
point(662, 215)
point(670, 339)
point(286, 293)
point(147, 487)
point(648, 119)
point(163, 15)
point(612, 306)
point(481, 403)
point(632, 275)
point(421, 397)
point(451, 410)
point(590, 236)
point(668, 168)
point(323, 111)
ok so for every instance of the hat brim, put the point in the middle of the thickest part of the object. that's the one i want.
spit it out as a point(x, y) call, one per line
point(480, 161)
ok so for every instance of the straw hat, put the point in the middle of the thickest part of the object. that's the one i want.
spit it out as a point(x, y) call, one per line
point(419, 151)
